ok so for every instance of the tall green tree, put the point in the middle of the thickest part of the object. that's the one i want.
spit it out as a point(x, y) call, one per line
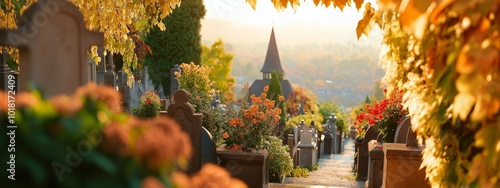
point(179, 43)
point(220, 61)
point(378, 92)
point(275, 93)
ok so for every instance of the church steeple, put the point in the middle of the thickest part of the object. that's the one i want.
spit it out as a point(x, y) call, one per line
point(272, 62)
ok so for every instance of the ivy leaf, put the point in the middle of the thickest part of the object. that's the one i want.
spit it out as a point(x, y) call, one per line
point(316, 2)
point(364, 24)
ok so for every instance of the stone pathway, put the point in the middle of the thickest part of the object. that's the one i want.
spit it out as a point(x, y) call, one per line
point(334, 171)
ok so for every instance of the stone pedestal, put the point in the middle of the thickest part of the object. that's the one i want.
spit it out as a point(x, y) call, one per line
point(401, 166)
point(375, 165)
point(251, 168)
point(327, 143)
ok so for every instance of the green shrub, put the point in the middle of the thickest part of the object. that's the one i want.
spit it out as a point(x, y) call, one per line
point(300, 172)
point(280, 162)
point(313, 167)
point(149, 107)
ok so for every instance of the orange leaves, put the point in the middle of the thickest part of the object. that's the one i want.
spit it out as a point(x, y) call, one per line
point(252, 3)
point(414, 16)
point(364, 24)
point(358, 3)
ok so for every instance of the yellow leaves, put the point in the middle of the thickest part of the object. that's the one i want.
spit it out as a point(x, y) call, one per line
point(252, 3)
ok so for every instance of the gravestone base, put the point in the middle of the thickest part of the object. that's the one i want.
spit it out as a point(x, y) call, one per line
point(402, 166)
point(375, 166)
point(308, 154)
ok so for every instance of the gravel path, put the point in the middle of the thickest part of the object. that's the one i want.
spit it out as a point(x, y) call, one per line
point(334, 171)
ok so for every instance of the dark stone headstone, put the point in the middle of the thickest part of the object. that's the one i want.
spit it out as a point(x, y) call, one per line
point(183, 113)
point(8, 77)
point(208, 149)
point(53, 42)
point(402, 130)
point(363, 156)
point(109, 76)
point(328, 143)
point(101, 66)
point(174, 84)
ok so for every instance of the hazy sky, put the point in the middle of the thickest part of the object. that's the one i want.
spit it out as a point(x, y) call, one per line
point(236, 22)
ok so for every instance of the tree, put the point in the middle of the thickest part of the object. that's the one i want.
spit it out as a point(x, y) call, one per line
point(301, 98)
point(112, 17)
point(368, 100)
point(378, 92)
point(329, 108)
point(179, 43)
point(276, 93)
point(220, 61)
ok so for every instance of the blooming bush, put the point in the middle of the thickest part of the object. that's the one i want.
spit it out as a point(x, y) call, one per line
point(280, 162)
point(86, 140)
point(149, 107)
point(249, 124)
point(194, 79)
point(385, 115)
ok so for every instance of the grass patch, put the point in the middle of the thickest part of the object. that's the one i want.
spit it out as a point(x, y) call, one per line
point(300, 172)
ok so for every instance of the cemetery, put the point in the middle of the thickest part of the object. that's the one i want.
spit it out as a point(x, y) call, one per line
point(88, 101)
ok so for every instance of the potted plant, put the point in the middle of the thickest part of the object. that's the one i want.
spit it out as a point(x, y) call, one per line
point(248, 125)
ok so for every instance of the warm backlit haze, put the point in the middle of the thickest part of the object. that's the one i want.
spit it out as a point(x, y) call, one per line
point(318, 47)
point(236, 22)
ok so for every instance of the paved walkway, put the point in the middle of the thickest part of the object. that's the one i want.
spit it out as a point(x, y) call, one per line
point(334, 171)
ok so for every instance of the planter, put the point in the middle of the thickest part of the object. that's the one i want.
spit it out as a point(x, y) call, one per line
point(251, 168)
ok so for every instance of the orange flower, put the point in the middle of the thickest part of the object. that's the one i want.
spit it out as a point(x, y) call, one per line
point(225, 135)
point(277, 118)
point(263, 95)
point(266, 88)
point(277, 110)
point(235, 147)
point(281, 98)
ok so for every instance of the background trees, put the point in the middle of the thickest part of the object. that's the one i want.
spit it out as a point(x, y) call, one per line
point(216, 57)
point(179, 43)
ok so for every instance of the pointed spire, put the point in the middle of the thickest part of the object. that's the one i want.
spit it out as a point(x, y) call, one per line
point(272, 61)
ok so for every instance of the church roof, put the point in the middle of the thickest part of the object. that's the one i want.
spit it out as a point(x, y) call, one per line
point(272, 61)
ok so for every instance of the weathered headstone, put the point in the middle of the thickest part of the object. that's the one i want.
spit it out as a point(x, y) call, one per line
point(8, 77)
point(183, 113)
point(53, 42)
point(363, 156)
point(101, 66)
point(174, 84)
point(307, 146)
point(139, 88)
point(109, 76)
point(402, 130)
point(124, 89)
point(208, 150)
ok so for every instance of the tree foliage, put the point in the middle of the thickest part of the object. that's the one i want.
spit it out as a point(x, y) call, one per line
point(179, 43)
point(301, 97)
point(114, 18)
point(276, 93)
point(328, 108)
point(220, 61)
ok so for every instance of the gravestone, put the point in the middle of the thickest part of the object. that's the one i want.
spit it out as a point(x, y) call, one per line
point(92, 74)
point(124, 89)
point(333, 130)
point(208, 150)
point(101, 66)
point(411, 139)
point(183, 113)
point(139, 88)
point(174, 84)
point(307, 146)
point(363, 156)
point(402, 130)
point(109, 76)
point(53, 43)
point(7, 74)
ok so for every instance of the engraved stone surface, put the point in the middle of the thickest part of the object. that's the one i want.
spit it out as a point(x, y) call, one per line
point(53, 43)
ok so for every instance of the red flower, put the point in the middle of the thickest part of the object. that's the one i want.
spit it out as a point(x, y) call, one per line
point(149, 102)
